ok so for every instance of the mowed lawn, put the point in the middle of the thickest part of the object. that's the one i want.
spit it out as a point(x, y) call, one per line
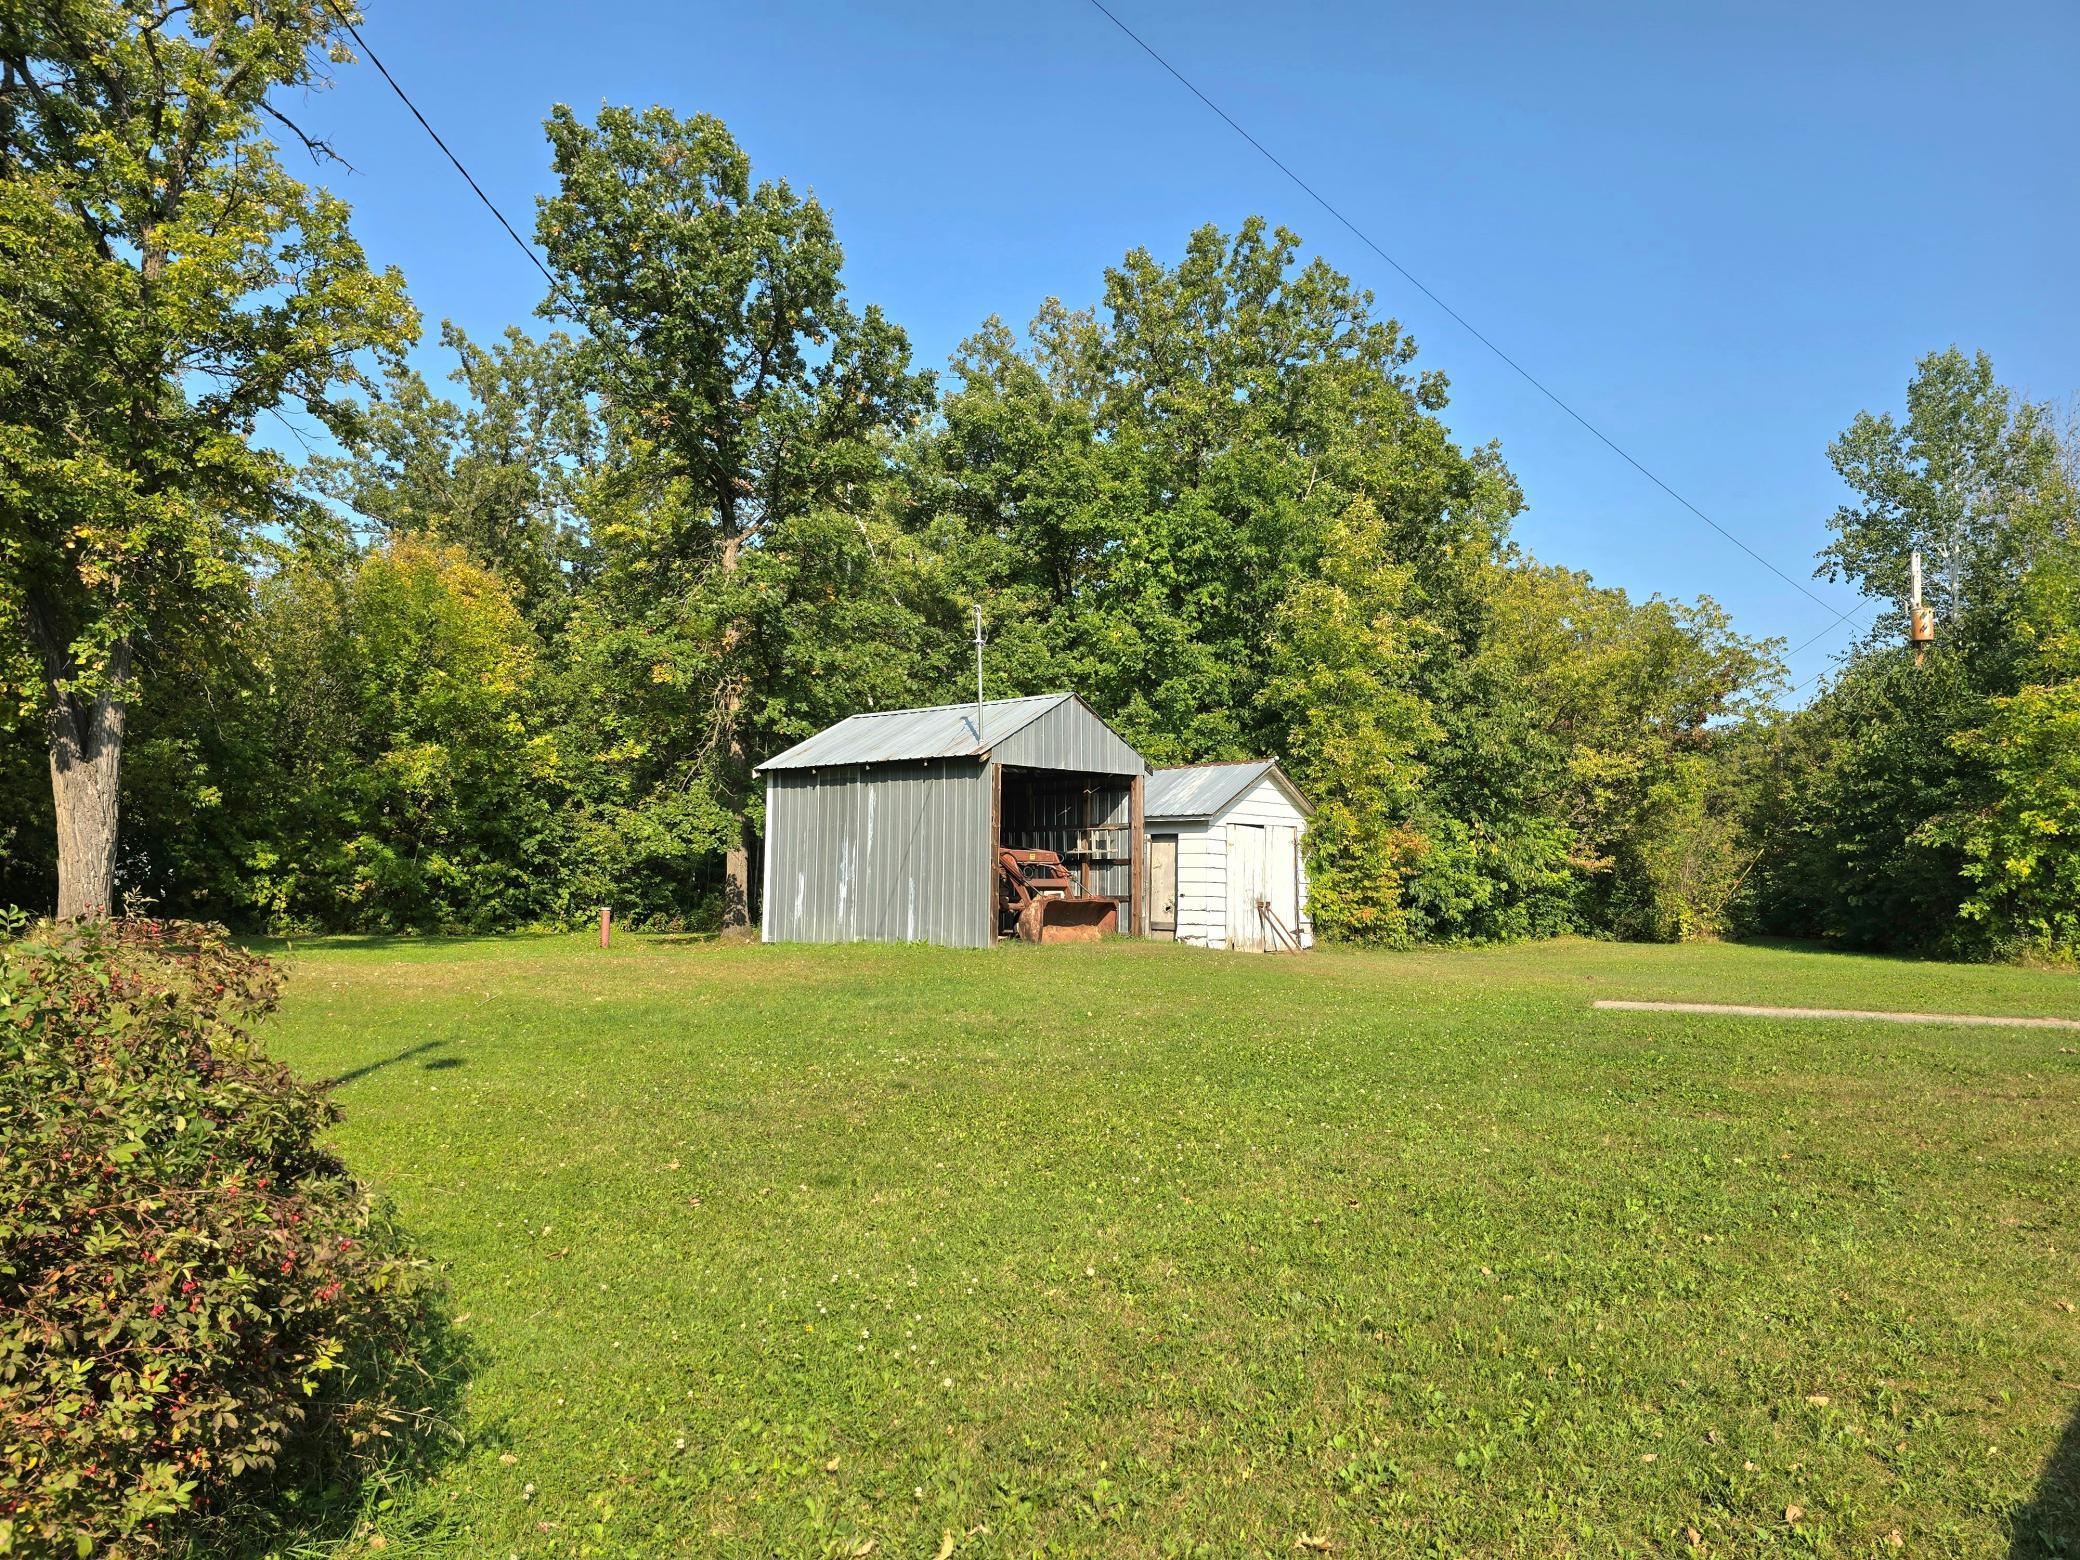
point(1141, 1250)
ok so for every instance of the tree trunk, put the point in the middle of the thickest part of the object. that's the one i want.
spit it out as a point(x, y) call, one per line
point(86, 743)
point(736, 860)
point(736, 884)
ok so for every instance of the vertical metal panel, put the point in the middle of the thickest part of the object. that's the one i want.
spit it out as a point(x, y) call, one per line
point(882, 852)
point(774, 834)
point(1069, 736)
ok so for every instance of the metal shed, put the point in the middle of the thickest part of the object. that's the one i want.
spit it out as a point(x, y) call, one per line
point(1225, 868)
point(885, 827)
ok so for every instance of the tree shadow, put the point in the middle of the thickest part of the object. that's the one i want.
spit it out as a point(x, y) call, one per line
point(2048, 1528)
point(275, 943)
point(405, 1055)
point(1840, 949)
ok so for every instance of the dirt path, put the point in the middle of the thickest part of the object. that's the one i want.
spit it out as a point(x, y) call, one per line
point(1995, 1020)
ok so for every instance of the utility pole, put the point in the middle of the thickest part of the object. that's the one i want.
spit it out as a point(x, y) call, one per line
point(978, 672)
point(1921, 619)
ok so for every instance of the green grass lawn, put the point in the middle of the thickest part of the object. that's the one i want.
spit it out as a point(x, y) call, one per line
point(1141, 1250)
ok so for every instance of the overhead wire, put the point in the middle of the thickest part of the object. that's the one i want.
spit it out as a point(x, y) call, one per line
point(1461, 320)
point(1312, 193)
point(468, 178)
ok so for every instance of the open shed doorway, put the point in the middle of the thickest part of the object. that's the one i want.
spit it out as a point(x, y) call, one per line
point(1086, 818)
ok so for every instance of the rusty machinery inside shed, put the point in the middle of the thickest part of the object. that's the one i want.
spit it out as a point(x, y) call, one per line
point(1068, 853)
point(894, 826)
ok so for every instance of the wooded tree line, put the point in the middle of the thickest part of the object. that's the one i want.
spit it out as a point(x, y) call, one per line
point(511, 646)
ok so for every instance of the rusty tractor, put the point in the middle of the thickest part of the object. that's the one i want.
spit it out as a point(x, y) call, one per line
point(1037, 899)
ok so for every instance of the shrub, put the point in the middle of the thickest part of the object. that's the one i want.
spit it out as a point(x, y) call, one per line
point(200, 1310)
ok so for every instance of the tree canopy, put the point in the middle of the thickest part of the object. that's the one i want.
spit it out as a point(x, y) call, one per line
point(511, 646)
point(166, 284)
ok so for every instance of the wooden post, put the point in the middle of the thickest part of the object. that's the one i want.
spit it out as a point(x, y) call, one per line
point(606, 924)
point(1137, 864)
point(996, 843)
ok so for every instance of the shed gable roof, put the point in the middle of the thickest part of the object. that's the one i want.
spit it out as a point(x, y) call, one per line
point(1205, 790)
point(1068, 735)
point(1043, 729)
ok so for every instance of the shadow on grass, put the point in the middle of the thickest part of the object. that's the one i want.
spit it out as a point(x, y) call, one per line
point(1840, 949)
point(2048, 1528)
point(405, 1055)
point(276, 944)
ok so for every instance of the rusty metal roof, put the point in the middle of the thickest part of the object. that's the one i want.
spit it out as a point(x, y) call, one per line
point(1202, 790)
point(891, 736)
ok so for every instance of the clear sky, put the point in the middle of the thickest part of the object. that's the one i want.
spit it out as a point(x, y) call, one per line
point(1718, 230)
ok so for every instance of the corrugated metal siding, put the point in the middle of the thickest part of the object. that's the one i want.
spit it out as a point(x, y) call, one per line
point(887, 853)
point(895, 736)
point(1069, 736)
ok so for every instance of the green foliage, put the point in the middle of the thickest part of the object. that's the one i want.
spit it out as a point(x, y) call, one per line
point(757, 410)
point(502, 475)
point(1973, 479)
point(1929, 807)
point(406, 712)
point(1144, 486)
point(2022, 850)
point(197, 1302)
point(1339, 672)
point(2021, 841)
point(1637, 707)
point(165, 283)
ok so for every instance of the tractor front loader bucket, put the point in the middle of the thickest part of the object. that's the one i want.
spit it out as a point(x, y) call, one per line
point(1037, 897)
point(1055, 920)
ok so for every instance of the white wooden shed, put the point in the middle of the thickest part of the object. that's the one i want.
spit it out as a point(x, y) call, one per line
point(1225, 868)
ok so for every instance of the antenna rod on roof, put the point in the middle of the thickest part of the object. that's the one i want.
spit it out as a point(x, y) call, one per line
point(978, 671)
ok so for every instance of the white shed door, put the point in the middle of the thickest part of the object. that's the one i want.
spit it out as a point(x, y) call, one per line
point(1282, 883)
point(1245, 885)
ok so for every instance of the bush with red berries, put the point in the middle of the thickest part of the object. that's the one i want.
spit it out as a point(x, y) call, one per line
point(200, 1310)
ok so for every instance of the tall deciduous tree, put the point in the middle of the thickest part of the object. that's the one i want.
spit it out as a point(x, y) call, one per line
point(1926, 807)
point(722, 339)
point(163, 282)
point(1155, 477)
point(502, 474)
point(1972, 478)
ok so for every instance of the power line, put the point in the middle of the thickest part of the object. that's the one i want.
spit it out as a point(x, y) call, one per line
point(1363, 237)
point(1856, 611)
point(1801, 688)
point(1408, 276)
point(403, 97)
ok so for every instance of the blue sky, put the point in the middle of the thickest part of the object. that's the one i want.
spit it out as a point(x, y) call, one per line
point(1718, 230)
